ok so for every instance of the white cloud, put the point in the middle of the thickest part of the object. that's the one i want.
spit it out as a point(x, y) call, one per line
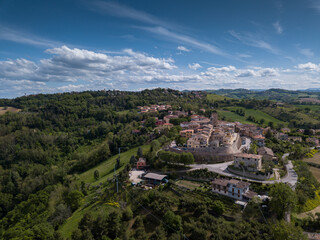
point(181, 38)
point(72, 69)
point(194, 66)
point(9, 34)
point(159, 27)
point(309, 66)
point(306, 52)
point(253, 40)
point(277, 26)
point(183, 49)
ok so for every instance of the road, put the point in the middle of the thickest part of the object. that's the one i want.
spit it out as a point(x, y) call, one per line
point(221, 168)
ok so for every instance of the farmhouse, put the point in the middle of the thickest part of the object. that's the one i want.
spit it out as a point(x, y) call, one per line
point(233, 188)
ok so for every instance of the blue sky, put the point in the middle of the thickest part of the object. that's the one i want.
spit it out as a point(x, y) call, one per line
point(74, 45)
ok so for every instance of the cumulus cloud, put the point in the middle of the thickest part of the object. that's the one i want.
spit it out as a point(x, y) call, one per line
point(194, 66)
point(73, 69)
point(309, 66)
point(183, 49)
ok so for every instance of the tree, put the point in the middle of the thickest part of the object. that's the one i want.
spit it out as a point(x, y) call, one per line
point(73, 199)
point(86, 222)
point(139, 153)
point(283, 199)
point(253, 148)
point(269, 134)
point(218, 207)
point(271, 124)
point(96, 174)
point(127, 214)
point(267, 165)
point(173, 222)
point(133, 160)
point(282, 230)
point(159, 234)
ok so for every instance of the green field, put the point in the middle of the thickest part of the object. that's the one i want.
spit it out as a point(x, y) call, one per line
point(106, 171)
point(106, 168)
point(257, 114)
point(215, 97)
point(233, 117)
point(311, 107)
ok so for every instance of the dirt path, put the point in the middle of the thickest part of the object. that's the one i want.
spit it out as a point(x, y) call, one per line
point(313, 211)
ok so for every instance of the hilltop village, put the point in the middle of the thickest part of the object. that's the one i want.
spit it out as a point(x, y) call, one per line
point(94, 165)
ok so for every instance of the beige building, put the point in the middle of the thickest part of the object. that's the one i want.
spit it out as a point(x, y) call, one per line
point(251, 162)
point(187, 133)
point(198, 141)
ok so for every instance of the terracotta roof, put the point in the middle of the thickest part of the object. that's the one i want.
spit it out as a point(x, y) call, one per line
point(258, 137)
point(247, 155)
point(265, 150)
point(221, 182)
point(250, 194)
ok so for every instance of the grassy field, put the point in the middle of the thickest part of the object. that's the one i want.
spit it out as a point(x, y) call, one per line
point(106, 171)
point(258, 115)
point(215, 97)
point(3, 110)
point(311, 107)
point(106, 168)
point(232, 117)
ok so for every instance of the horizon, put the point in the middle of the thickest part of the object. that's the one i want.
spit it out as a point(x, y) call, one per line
point(74, 46)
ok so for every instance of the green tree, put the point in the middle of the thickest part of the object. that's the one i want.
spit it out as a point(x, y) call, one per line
point(282, 230)
point(73, 199)
point(96, 174)
point(159, 234)
point(218, 207)
point(173, 222)
point(127, 214)
point(283, 199)
point(139, 152)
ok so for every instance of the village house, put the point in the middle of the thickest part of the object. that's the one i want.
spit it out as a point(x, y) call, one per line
point(233, 188)
point(282, 136)
point(295, 139)
point(313, 140)
point(267, 154)
point(285, 130)
point(190, 125)
point(141, 163)
point(167, 118)
point(259, 139)
point(159, 122)
point(186, 133)
point(198, 141)
point(251, 162)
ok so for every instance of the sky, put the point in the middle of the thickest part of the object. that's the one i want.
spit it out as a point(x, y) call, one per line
point(50, 46)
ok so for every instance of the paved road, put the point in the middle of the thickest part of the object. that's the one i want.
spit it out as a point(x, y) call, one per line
point(221, 168)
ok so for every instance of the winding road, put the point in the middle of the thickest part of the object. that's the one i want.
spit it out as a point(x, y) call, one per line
point(222, 168)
